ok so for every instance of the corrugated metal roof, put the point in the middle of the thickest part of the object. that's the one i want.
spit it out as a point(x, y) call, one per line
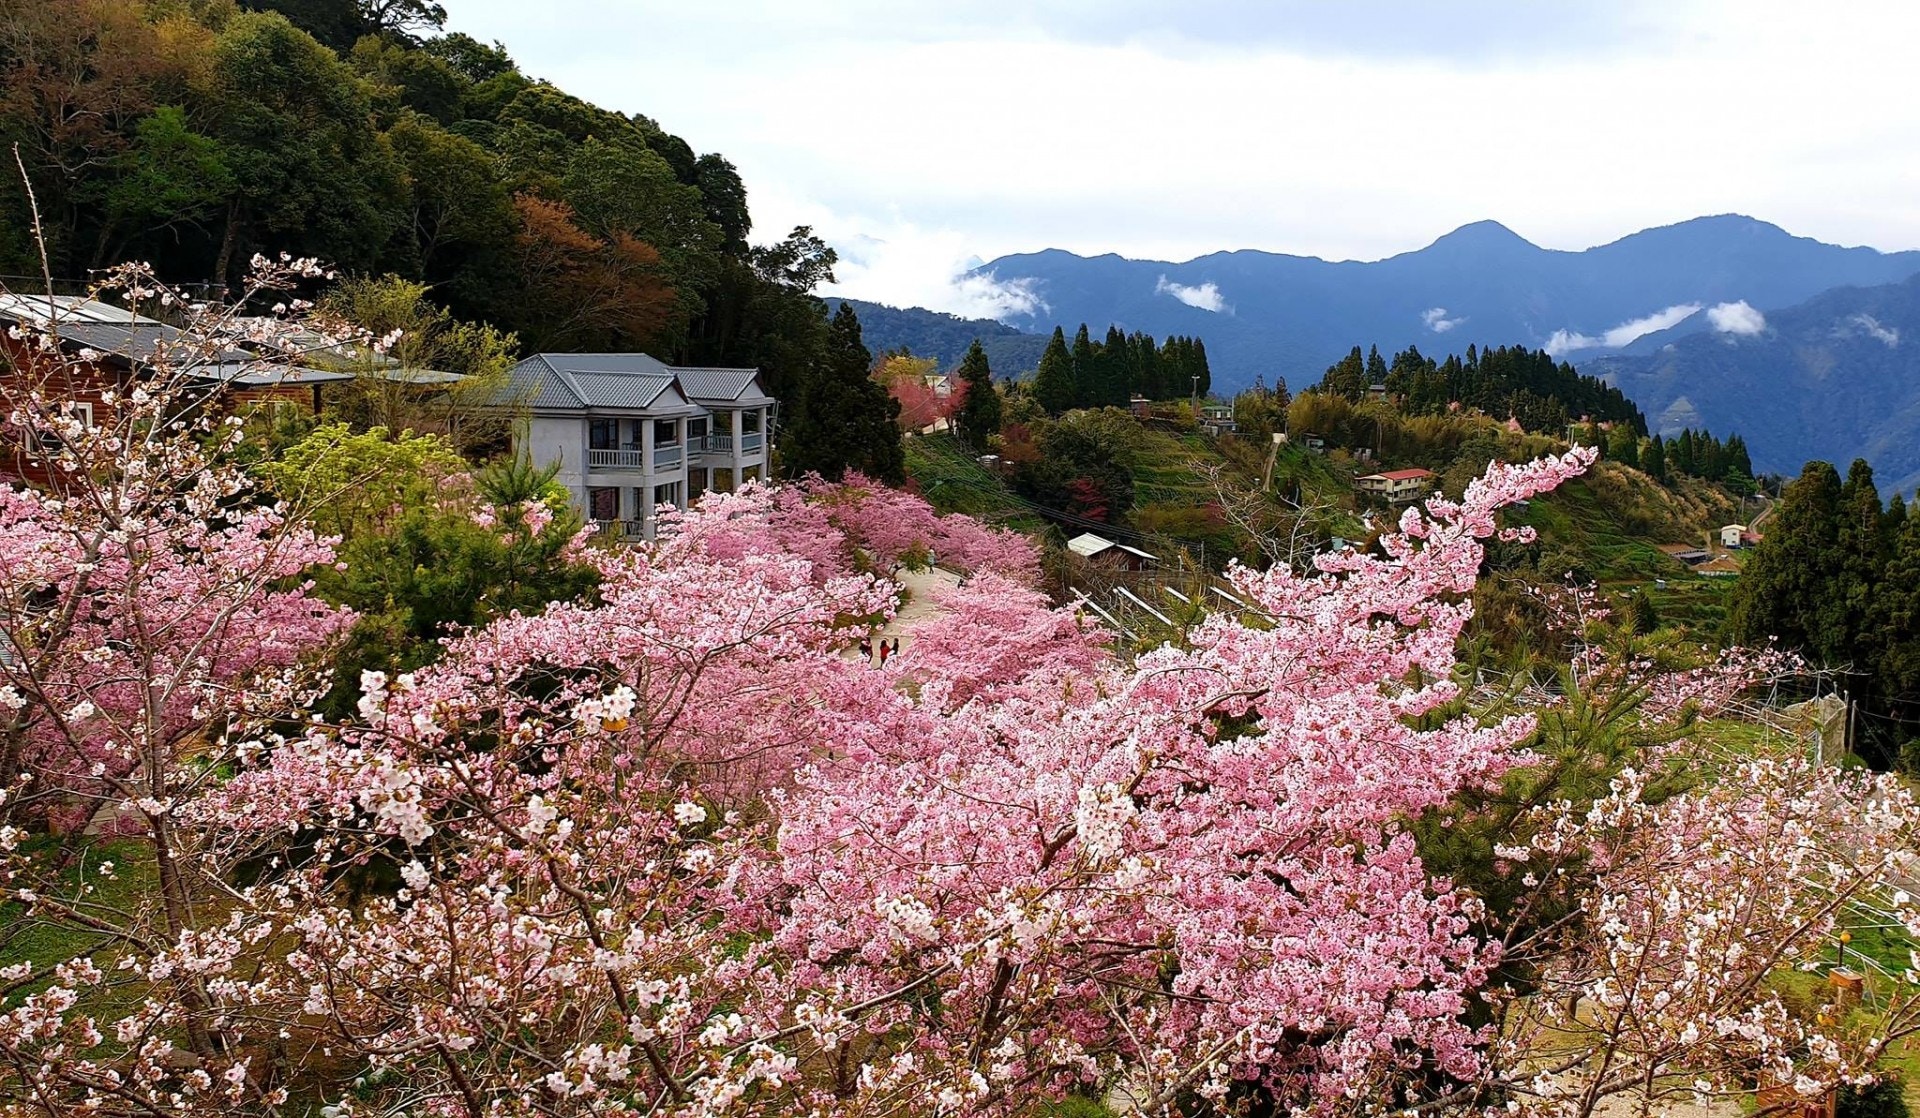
point(140, 342)
point(624, 382)
point(716, 384)
point(618, 390)
point(68, 308)
point(601, 362)
point(1089, 545)
point(258, 374)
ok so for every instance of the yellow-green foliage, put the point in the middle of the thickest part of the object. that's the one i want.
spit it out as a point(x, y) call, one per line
point(350, 483)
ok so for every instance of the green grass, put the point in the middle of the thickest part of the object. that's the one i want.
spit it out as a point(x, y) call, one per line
point(953, 480)
point(46, 944)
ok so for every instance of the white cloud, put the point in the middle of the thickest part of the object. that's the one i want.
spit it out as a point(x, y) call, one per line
point(1738, 319)
point(1659, 320)
point(1566, 341)
point(984, 295)
point(1437, 320)
point(1840, 163)
point(1206, 296)
point(1866, 323)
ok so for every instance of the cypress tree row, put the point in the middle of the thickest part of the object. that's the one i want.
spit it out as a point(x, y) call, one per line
point(1053, 384)
point(1090, 374)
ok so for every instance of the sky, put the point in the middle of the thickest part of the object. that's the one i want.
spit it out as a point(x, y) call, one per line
point(923, 137)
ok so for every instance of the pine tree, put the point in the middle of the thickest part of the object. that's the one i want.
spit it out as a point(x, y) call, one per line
point(1786, 586)
point(846, 420)
point(1116, 370)
point(1053, 383)
point(1086, 374)
point(1200, 367)
point(1376, 368)
point(1654, 462)
point(979, 414)
point(1862, 547)
point(1152, 382)
point(1895, 618)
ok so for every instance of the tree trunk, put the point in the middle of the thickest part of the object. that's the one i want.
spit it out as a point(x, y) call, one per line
point(222, 267)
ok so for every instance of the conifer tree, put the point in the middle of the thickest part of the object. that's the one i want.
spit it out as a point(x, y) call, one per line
point(1786, 586)
point(1116, 369)
point(1086, 374)
point(1151, 381)
point(1655, 460)
point(979, 414)
point(1376, 368)
point(1200, 368)
point(1862, 549)
point(846, 419)
point(1053, 387)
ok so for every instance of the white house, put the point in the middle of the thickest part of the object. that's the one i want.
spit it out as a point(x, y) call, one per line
point(1396, 485)
point(632, 433)
point(1736, 535)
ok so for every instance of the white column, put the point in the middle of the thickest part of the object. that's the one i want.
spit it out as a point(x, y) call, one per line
point(646, 488)
point(739, 436)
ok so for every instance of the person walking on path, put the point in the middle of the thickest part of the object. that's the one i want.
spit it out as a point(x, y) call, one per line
point(883, 653)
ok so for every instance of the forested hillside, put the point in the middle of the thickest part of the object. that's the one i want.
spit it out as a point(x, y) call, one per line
point(945, 337)
point(1528, 385)
point(196, 133)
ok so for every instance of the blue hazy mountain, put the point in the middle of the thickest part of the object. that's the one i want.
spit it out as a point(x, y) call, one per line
point(1835, 377)
point(1275, 314)
point(1010, 351)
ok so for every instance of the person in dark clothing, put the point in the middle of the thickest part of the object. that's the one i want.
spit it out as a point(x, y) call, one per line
point(866, 650)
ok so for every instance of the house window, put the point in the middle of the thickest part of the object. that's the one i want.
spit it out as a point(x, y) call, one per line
point(665, 432)
point(603, 434)
point(668, 494)
point(82, 412)
point(603, 502)
point(749, 422)
point(696, 484)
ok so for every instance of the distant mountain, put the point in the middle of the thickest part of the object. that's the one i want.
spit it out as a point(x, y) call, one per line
point(945, 337)
point(1834, 377)
point(1292, 316)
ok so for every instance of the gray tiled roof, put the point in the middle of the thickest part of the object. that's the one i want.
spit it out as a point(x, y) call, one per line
point(67, 308)
point(715, 384)
point(619, 381)
point(144, 343)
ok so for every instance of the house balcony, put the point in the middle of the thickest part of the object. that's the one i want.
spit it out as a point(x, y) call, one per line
point(751, 442)
point(628, 458)
point(620, 529)
point(635, 458)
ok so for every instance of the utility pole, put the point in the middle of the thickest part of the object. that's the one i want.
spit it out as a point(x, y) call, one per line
point(1196, 390)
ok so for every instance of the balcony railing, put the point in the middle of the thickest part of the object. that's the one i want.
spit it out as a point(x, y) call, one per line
point(750, 443)
point(630, 458)
point(625, 529)
point(667, 457)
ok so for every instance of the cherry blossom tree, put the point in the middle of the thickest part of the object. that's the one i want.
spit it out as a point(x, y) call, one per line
point(672, 852)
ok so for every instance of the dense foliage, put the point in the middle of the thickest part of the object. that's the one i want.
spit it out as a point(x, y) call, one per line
point(195, 134)
point(667, 849)
point(1836, 578)
point(1092, 374)
point(1530, 385)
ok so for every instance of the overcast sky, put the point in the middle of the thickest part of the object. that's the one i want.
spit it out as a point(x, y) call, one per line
point(922, 136)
